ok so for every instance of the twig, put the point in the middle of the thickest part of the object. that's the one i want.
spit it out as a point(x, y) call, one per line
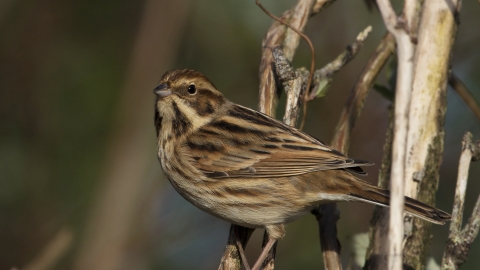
point(323, 77)
point(405, 50)
point(294, 84)
point(52, 252)
point(278, 35)
point(293, 43)
point(376, 253)
point(231, 259)
point(459, 240)
point(464, 93)
point(327, 216)
point(356, 100)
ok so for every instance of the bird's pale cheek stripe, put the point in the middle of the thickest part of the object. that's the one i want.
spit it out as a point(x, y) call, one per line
point(180, 123)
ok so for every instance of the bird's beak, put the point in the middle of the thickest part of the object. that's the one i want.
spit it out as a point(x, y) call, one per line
point(162, 90)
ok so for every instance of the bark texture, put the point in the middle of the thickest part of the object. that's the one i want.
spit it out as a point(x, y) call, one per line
point(426, 121)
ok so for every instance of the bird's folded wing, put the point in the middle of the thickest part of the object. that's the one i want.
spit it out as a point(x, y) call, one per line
point(249, 144)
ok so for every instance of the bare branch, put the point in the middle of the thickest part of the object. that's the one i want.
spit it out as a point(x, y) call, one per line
point(324, 76)
point(459, 240)
point(405, 52)
point(278, 35)
point(377, 253)
point(388, 15)
point(231, 259)
point(327, 216)
point(362, 88)
point(294, 83)
point(320, 4)
point(411, 18)
point(465, 94)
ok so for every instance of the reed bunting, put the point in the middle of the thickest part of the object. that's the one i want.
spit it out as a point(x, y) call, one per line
point(248, 168)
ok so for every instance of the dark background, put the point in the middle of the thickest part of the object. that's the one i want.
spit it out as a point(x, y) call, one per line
point(76, 113)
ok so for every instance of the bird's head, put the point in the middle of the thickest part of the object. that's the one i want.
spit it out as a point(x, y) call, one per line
point(186, 99)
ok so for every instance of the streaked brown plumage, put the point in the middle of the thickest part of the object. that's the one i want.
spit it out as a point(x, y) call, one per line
point(248, 168)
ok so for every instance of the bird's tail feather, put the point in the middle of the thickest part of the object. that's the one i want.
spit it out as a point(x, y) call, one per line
point(375, 195)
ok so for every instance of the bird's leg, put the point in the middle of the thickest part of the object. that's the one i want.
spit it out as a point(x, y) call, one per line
point(240, 250)
point(263, 255)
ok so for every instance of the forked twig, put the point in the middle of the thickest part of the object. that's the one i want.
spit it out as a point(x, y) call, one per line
point(459, 240)
point(305, 37)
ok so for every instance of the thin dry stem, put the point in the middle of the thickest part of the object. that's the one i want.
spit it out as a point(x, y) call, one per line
point(459, 240)
point(327, 216)
point(465, 94)
point(292, 44)
point(376, 253)
point(278, 35)
point(360, 91)
point(237, 238)
point(323, 77)
point(52, 252)
point(405, 52)
point(294, 84)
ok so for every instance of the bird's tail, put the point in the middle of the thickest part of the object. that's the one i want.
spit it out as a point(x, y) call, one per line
point(372, 194)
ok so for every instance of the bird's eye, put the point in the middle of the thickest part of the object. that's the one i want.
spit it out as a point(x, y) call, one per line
point(192, 89)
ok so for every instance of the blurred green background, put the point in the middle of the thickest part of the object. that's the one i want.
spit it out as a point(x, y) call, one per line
point(76, 112)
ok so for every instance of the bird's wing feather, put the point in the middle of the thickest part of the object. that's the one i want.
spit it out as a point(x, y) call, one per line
point(246, 143)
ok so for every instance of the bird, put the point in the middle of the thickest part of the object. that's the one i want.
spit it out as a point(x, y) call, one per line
point(250, 169)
